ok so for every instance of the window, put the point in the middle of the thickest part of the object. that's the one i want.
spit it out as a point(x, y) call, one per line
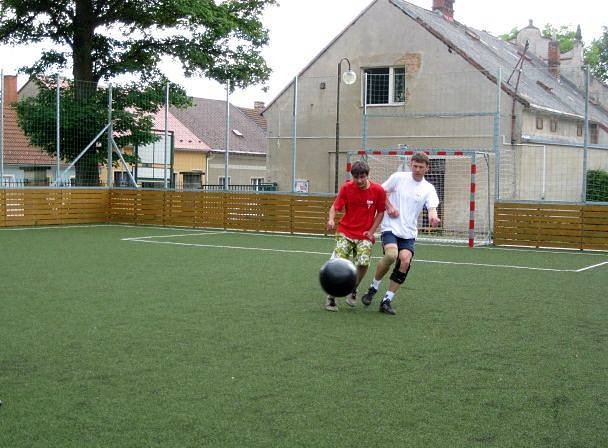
point(539, 122)
point(593, 134)
point(8, 180)
point(192, 180)
point(257, 182)
point(385, 85)
point(36, 176)
point(220, 181)
point(553, 125)
point(121, 179)
point(579, 129)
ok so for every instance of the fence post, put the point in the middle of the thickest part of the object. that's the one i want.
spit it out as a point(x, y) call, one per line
point(58, 126)
point(227, 137)
point(110, 132)
point(166, 134)
point(294, 125)
point(2, 127)
point(585, 138)
point(496, 137)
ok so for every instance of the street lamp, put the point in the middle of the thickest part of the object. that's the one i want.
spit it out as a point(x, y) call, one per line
point(348, 77)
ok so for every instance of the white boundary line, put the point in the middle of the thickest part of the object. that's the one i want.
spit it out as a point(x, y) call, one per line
point(217, 246)
point(592, 267)
point(210, 232)
point(170, 236)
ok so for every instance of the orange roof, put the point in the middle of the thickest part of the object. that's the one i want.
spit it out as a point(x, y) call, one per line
point(17, 150)
point(184, 138)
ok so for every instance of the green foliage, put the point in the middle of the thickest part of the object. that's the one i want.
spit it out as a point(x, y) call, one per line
point(597, 186)
point(596, 56)
point(84, 113)
point(511, 35)
point(564, 35)
point(106, 38)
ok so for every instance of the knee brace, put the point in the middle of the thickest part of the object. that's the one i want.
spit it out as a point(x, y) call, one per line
point(397, 276)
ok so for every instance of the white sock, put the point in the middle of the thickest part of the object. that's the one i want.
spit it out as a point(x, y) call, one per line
point(388, 296)
point(376, 284)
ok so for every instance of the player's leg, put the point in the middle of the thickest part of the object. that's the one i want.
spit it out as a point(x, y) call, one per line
point(343, 249)
point(390, 249)
point(399, 274)
point(362, 258)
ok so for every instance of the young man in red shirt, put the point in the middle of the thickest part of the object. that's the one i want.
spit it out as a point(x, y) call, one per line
point(364, 203)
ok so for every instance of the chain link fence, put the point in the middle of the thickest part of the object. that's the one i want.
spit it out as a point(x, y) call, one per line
point(546, 133)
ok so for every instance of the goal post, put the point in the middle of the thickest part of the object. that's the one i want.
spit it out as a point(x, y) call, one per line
point(462, 180)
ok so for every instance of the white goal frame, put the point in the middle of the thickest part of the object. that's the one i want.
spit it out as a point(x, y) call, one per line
point(473, 235)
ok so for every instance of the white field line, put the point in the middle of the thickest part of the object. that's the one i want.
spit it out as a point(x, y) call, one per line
point(171, 236)
point(546, 251)
point(591, 267)
point(328, 254)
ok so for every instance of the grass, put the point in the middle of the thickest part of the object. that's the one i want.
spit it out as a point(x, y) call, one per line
point(107, 342)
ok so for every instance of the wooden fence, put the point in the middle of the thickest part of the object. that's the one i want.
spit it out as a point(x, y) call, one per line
point(243, 211)
point(38, 207)
point(551, 225)
point(521, 224)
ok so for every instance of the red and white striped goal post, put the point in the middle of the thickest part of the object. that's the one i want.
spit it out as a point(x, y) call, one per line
point(471, 153)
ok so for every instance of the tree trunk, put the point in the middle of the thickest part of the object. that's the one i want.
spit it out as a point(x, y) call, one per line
point(85, 85)
point(87, 171)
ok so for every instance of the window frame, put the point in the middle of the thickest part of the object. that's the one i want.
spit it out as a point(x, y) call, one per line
point(539, 123)
point(594, 133)
point(391, 86)
point(553, 125)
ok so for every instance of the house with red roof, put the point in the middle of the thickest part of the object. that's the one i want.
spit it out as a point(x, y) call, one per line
point(24, 164)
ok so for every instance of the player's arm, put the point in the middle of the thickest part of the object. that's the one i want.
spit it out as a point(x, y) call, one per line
point(338, 205)
point(431, 205)
point(391, 209)
point(331, 220)
point(389, 187)
point(370, 233)
point(433, 217)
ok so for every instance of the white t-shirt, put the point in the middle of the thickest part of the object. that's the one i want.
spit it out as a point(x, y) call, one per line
point(409, 197)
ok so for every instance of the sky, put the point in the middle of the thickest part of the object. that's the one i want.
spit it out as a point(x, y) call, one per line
point(300, 29)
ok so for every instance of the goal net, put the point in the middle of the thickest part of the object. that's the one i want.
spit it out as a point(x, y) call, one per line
point(461, 178)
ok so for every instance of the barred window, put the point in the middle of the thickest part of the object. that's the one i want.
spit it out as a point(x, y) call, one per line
point(385, 85)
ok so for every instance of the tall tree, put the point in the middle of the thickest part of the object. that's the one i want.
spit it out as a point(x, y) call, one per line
point(596, 56)
point(564, 35)
point(102, 39)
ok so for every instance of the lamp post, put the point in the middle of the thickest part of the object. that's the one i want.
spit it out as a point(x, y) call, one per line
point(348, 77)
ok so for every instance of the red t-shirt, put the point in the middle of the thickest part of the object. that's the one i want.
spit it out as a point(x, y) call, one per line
point(361, 208)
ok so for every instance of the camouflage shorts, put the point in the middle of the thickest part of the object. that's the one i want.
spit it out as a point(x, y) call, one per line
point(360, 250)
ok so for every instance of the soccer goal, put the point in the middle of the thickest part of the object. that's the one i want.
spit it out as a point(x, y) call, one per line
point(461, 178)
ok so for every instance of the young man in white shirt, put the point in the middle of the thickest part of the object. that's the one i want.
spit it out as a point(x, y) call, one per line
point(407, 194)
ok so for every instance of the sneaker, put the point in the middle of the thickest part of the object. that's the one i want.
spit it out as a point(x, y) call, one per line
point(330, 304)
point(369, 296)
point(385, 307)
point(351, 299)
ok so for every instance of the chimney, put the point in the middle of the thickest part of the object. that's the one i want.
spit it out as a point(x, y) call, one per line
point(10, 90)
point(553, 57)
point(446, 7)
point(259, 106)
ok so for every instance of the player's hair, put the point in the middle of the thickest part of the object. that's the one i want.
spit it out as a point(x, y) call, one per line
point(421, 157)
point(359, 167)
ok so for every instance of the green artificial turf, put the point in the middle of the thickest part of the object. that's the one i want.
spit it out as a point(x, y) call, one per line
point(213, 341)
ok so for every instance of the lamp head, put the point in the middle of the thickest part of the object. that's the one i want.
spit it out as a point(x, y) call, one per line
point(349, 77)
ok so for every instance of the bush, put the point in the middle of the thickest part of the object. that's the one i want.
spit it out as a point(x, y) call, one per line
point(597, 186)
